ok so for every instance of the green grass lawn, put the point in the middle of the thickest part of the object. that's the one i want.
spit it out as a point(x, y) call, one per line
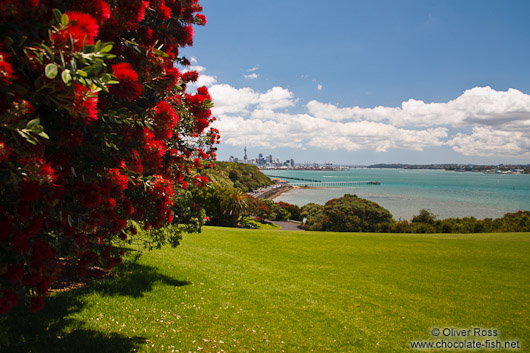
point(236, 290)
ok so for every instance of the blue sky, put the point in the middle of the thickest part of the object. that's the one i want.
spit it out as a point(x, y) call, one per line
point(362, 82)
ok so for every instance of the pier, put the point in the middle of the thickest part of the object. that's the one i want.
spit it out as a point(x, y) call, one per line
point(292, 178)
point(331, 184)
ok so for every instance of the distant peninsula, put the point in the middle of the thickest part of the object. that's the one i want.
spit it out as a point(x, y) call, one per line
point(501, 168)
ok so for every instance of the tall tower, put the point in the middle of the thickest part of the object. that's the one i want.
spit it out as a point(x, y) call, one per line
point(245, 158)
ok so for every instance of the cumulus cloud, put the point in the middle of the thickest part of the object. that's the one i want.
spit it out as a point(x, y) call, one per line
point(228, 99)
point(270, 129)
point(252, 76)
point(485, 141)
point(476, 106)
point(479, 122)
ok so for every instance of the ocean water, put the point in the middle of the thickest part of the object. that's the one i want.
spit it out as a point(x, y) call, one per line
point(404, 192)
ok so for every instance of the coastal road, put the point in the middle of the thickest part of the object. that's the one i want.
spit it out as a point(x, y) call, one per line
point(286, 225)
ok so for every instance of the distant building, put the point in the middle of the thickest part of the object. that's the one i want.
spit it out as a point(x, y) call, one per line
point(232, 159)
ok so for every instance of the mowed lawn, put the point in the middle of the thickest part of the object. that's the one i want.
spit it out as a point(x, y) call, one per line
point(234, 290)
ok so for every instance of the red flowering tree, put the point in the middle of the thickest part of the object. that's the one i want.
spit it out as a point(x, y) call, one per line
point(96, 129)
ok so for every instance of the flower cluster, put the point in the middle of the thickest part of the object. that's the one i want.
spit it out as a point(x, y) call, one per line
point(93, 134)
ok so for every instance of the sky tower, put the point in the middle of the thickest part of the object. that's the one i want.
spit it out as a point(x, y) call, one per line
point(245, 158)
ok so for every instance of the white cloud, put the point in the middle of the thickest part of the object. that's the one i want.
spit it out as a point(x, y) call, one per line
point(228, 99)
point(276, 97)
point(476, 106)
point(484, 141)
point(206, 80)
point(498, 121)
point(252, 76)
point(255, 68)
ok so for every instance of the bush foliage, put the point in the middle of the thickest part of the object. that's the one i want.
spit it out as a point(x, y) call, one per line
point(96, 129)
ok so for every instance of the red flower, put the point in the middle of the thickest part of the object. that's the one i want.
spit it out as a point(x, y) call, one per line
point(85, 104)
point(165, 119)
point(162, 188)
point(128, 207)
point(190, 76)
point(185, 36)
point(47, 173)
point(111, 202)
point(132, 11)
point(118, 180)
point(99, 9)
point(200, 19)
point(4, 151)
point(129, 88)
point(81, 25)
point(164, 11)
point(6, 70)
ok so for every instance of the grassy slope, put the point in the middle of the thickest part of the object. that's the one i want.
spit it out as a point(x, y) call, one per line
point(242, 290)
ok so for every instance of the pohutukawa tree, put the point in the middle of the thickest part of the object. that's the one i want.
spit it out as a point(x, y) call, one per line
point(96, 129)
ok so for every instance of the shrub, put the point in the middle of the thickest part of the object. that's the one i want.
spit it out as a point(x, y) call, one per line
point(93, 133)
point(353, 214)
point(312, 216)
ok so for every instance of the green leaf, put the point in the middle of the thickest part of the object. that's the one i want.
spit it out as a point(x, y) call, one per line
point(48, 49)
point(67, 77)
point(161, 53)
point(81, 73)
point(44, 135)
point(106, 77)
point(64, 19)
point(51, 71)
point(37, 129)
point(58, 15)
point(32, 123)
point(108, 56)
point(21, 41)
point(107, 48)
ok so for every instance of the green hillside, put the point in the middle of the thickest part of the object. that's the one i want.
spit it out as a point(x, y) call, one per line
point(246, 177)
point(235, 290)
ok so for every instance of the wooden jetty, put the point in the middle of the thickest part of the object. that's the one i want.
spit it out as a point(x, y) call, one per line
point(292, 178)
point(331, 184)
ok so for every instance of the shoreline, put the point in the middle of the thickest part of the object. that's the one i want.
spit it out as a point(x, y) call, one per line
point(271, 194)
point(277, 192)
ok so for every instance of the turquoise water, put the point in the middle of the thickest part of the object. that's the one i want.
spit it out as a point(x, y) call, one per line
point(404, 192)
